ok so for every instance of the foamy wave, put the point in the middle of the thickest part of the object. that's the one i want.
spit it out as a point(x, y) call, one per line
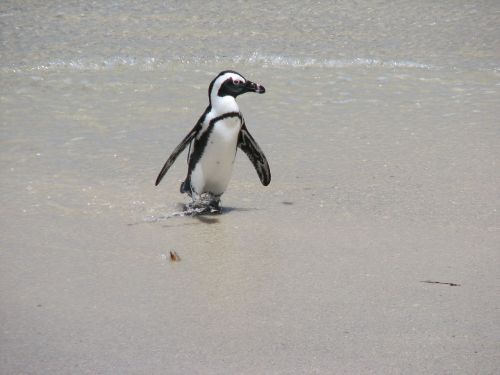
point(328, 63)
point(147, 63)
point(152, 63)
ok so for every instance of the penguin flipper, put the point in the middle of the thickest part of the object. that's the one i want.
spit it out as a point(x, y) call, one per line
point(255, 154)
point(187, 140)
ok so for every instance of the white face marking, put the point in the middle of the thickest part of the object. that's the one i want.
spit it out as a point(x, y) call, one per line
point(227, 103)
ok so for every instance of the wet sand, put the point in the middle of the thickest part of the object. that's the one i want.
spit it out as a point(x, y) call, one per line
point(321, 272)
point(374, 249)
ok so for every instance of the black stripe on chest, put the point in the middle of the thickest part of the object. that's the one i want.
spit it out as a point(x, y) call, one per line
point(201, 143)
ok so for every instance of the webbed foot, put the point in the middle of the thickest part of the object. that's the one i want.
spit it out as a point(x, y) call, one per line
point(205, 204)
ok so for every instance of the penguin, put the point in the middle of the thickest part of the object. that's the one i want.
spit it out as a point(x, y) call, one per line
point(213, 143)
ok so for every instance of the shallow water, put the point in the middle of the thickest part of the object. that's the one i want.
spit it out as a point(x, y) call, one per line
point(38, 35)
point(380, 124)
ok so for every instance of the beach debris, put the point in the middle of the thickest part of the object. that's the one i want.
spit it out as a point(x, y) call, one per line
point(174, 257)
point(439, 282)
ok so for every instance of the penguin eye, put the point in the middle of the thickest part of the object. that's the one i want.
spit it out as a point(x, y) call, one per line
point(237, 82)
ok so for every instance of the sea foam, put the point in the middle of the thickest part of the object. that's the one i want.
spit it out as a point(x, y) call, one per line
point(150, 63)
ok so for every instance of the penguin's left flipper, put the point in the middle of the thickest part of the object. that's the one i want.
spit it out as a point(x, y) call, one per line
point(187, 139)
point(255, 154)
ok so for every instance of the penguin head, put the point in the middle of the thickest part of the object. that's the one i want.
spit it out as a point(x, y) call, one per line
point(230, 83)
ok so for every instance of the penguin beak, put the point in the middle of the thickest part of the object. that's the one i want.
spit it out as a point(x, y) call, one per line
point(253, 87)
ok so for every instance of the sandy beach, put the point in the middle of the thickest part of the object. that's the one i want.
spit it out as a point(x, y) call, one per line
point(375, 249)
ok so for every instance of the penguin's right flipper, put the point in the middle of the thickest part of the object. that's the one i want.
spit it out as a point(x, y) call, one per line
point(187, 140)
point(255, 154)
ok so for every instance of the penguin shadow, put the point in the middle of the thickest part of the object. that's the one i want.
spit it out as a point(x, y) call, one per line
point(226, 210)
point(207, 219)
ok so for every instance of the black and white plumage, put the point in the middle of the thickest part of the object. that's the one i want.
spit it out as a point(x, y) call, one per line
point(214, 140)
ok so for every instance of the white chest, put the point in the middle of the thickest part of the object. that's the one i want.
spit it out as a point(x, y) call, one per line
point(221, 144)
point(213, 171)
